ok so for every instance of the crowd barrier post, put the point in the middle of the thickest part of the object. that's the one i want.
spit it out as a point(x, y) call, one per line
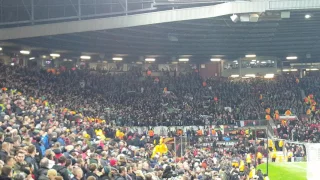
point(267, 153)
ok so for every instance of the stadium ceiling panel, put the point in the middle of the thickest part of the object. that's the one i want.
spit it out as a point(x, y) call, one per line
point(201, 38)
point(183, 14)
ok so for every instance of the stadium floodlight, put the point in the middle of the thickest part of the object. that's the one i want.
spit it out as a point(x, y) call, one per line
point(215, 59)
point(150, 59)
point(292, 57)
point(269, 76)
point(307, 16)
point(234, 18)
point(234, 75)
point(117, 59)
point(85, 57)
point(55, 55)
point(25, 52)
point(250, 75)
point(183, 60)
point(251, 56)
point(31, 58)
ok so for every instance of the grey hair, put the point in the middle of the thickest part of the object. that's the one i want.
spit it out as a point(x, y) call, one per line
point(19, 176)
point(44, 162)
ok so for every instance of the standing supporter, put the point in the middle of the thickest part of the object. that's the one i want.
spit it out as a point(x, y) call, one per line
point(61, 169)
point(6, 173)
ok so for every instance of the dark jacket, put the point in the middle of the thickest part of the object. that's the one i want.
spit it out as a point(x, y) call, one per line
point(22, 167)
point(133, 176)
point(62, 170)
point(32, 162)
point(3, 155)
point(5, 178)
point(120, 178)
point(104, 177)
point(167, 173)
point(89, 173)
point(43, 177)
point(41, 173)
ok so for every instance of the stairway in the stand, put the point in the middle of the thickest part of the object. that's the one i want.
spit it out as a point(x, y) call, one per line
point(303, 94)
point(272, 129)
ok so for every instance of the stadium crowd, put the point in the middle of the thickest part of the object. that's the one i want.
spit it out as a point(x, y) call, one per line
point(66, 125)
point(134, 99)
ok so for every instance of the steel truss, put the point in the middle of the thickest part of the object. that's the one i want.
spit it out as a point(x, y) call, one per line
point(28, 12)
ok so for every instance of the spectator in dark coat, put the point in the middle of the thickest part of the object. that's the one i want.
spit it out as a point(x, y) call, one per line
point(43, 170)
point(30, 157)
point(6, 173)
point(5, 151)
point(61, 169)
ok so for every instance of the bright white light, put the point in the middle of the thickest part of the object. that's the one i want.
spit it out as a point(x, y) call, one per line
point(235, 61)
point(0, 48)
point(307, 16)
point(253, 60)
point(286, 70)
point(234, 18)
point(44, 56)
point(55, 55)
point(150, 59)
point(292, 57)
point(250, 56)
point(24, 52)
point(263, 62)
point(250, 75)
point(12, 64)
point(117, 58)
point(314, 69)
point(234, 75)
point(184, 60)
point(269, 76)
point(31, 58)
point(215, 59)
point(85, 57)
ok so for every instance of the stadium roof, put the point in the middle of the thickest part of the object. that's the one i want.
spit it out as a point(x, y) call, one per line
point(201, 38)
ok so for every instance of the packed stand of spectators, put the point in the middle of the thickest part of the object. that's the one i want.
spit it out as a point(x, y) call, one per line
point(41, 142)
point(134, 99)
point(40, 139)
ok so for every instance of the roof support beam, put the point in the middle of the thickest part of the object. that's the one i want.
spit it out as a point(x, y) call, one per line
point(155, 18)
